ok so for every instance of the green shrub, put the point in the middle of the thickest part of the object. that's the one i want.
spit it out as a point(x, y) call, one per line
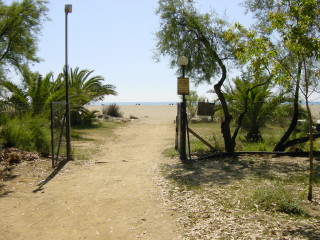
point(4, 117)
point(27, 133)
point(112, 110)
point(276, 198)
point(83, 118)
point(170, 152)
point(41, 136)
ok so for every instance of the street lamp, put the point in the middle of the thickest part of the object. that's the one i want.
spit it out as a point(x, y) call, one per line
point(183, 62)
point(67, 9)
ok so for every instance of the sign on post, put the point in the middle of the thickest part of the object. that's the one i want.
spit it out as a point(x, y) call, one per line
point(183, 86)
point(205, 109)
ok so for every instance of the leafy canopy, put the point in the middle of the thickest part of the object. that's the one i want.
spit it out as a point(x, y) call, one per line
point(20, 25)
point(186, 32)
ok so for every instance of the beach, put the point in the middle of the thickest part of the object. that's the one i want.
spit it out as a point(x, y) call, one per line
point(168, 113)
point(150, 113)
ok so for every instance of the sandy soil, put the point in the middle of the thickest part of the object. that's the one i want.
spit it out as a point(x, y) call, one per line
point(160, 114)
point(115, 197)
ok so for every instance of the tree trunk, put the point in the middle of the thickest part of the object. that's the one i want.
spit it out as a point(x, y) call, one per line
point(229, 142)
point(310, 121)
point(299, 141)
point(242, 115)
point(281, 145)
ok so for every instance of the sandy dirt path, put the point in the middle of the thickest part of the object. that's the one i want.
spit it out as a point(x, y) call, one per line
point(115, 198)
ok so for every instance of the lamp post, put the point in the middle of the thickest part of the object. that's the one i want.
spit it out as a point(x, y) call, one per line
point(67, 9)
point(183, 62)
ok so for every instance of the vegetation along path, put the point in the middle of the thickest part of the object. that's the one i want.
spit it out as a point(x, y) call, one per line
point(117, 197)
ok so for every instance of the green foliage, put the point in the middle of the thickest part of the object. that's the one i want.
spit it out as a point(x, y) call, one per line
point(275, 198)
point(27, 133)
point(36, 93)
point(21, 24)
point(291, 33)
point(170, 153)
point(192, 100)
point(186, 32)
point(85, 88)
point(253, 97)
point(40, 136)
point(82, 117)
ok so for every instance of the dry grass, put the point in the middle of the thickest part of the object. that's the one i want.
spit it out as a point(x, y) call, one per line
point(219, 199)
point(90, 141)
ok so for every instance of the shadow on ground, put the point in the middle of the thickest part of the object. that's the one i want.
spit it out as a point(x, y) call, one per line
point(305, 232)
point(225, 171)
point(6, 175)
point(56, 170)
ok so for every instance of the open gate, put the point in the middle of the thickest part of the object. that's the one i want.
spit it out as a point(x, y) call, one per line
point(58, 132)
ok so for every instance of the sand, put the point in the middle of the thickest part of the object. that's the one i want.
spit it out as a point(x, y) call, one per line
point(167, 113)
point(117, 196)
point(150, 113)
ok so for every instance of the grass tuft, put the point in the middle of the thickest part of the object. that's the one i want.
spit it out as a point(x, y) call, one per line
point(112, 110)
point(170, 153)
point(276, 198)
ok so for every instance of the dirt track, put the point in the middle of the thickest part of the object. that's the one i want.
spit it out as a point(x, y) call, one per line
point(115, 198)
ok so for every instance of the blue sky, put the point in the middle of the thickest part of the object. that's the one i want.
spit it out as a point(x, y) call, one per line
point(115, 38)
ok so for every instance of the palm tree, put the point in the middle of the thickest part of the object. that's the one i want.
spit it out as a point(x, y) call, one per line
point(33, 95)
point(83, 90)
point(254, 98)
point(36, 93)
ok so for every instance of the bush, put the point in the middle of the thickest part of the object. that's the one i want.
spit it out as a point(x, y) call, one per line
point(276, 198)
point(27, 133)
point(83, 118)
point(112, 110)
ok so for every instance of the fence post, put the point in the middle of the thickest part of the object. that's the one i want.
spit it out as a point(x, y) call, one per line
point(176, 146)
point(183, 154)
point(52, 137)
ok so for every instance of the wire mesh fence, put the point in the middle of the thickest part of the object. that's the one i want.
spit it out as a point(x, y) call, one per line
point(35, 127)
point(58, 132)
point(41, 127)
point(258, 132)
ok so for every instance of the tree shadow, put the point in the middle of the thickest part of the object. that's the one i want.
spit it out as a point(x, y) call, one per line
point(4, 193)
point(57, 169)
point(226, 170)
point(6, 175)
point(305, 232)
point(213, 172)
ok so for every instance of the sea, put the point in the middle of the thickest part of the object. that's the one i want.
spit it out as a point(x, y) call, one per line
point(134, 103)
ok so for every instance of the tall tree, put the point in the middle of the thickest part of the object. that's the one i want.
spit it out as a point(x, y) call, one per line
point(20, 25)
point(294, 24)
point(185, 31)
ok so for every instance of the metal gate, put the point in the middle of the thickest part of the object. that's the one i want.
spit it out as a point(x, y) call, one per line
point(58, 132)
point(182, 140)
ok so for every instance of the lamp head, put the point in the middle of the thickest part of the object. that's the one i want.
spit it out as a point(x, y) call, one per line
point(68, 8)
point(183, 61)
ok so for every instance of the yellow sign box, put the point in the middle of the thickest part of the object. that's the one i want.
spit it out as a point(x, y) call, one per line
point(183, 86)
